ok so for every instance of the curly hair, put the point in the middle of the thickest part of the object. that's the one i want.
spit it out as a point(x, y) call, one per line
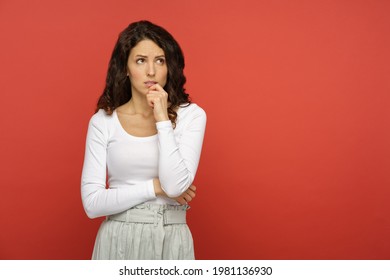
point(117, 90)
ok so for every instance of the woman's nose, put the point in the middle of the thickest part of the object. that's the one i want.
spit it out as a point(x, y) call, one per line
point(151, 71)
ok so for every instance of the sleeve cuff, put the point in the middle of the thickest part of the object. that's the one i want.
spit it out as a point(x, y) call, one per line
point(150, 189)
point(163, 124)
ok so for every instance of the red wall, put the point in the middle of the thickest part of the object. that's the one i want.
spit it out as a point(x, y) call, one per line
point(296, 156)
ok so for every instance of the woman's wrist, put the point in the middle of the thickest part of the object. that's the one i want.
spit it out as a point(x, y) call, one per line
point(157, 187)
point(162, 118)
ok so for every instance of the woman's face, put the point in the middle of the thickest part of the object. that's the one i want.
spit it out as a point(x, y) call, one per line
point(146, 66)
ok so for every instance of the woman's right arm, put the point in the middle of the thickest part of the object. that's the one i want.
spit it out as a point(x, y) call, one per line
point(97, 199)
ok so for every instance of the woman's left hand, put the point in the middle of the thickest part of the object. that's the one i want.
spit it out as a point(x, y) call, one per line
point(187, 196)
point(157, 98)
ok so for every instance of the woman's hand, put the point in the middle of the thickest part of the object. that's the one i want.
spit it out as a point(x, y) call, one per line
point(187, 196)
point(157, 98)
point(183, 199)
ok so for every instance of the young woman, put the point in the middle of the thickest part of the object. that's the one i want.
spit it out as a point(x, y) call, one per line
point(147, 136)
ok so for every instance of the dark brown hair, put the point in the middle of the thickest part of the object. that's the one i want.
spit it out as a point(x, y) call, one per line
point(118, 88)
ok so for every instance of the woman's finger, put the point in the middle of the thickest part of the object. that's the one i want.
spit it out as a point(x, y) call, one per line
point(181, 200)
point(190, 193)
point(187, 197)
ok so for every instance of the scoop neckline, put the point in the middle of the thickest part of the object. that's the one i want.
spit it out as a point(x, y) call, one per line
point(140, 138)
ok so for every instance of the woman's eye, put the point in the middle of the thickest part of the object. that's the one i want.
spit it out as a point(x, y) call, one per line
point(160, 61)
point(140, 61)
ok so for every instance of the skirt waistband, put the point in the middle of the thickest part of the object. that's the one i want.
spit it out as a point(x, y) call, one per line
point(153, 214)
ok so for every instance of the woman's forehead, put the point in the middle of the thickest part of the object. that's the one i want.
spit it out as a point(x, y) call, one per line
point(146, 47)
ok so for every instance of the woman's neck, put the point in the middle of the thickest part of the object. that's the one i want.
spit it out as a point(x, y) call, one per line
point(139, 105)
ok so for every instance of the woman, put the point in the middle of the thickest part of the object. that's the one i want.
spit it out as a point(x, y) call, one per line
point(147, 136)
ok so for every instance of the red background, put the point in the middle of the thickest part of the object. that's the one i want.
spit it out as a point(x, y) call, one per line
point(296, 156)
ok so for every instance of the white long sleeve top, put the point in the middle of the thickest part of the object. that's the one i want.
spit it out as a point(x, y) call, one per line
point(131, 163)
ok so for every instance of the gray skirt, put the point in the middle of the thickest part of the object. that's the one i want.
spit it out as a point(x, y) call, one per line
point(145, 232)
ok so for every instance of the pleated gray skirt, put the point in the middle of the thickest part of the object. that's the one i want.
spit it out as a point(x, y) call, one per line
point(145, 232)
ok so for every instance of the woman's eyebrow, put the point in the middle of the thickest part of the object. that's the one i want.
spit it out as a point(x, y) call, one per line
point(145, 56)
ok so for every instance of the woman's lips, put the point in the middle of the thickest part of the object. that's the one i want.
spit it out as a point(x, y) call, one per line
point(150, 83)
